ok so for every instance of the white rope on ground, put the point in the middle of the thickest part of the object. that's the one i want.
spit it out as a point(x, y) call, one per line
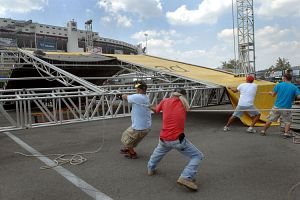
point(292, 189)
point(61, 159)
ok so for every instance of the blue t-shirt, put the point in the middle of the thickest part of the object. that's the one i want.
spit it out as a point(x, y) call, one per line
point(286, 93)
point(140, 113)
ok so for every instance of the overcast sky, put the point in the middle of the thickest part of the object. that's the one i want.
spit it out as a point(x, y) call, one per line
point(193, 31)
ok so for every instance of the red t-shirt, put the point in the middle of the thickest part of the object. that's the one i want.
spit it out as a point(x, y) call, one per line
point(174, 115)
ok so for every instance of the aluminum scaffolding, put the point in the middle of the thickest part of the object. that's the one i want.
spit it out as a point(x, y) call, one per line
point(246, 44)
point(35, 107)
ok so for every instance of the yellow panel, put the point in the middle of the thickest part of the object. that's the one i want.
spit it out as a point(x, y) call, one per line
point(198, 73)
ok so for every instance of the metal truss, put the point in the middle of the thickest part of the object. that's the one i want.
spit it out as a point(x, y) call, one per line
point(35, 107)
point(8, 61)
point(29, 108)
point(246, 44)
point(66, 78)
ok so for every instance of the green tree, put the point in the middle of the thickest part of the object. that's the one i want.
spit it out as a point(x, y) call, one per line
point(229, 66)
point(281, 64)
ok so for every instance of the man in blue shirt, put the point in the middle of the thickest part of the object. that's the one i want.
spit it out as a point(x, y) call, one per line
point(285, 93)
point(140, 119)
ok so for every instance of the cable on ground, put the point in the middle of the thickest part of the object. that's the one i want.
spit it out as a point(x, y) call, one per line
point(61, 159)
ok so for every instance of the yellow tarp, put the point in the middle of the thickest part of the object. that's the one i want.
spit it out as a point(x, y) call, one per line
point(206, 75)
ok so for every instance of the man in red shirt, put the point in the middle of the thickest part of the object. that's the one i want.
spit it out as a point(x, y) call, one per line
point(172, 137)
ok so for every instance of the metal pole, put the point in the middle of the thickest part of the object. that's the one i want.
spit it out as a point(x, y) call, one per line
point(35, 38)
point(146, 35)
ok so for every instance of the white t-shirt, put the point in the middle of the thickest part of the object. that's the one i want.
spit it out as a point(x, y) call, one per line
point(247, 94)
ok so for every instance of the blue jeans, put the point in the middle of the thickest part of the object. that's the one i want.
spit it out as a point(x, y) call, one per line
point(186, 148)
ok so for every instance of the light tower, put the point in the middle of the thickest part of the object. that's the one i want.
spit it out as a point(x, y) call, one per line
point(245, 31)
point(89, 35)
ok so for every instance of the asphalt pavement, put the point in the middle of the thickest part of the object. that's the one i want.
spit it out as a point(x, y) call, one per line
point(237, 165)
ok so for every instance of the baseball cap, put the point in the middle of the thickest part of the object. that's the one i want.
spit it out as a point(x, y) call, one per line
point(181, 91)
point(250, 78)
point(141, 85)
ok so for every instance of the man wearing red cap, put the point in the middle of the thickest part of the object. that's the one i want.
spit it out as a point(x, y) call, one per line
point(246, 103)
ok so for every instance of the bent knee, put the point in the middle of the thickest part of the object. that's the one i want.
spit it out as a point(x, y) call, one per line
point(199, 156)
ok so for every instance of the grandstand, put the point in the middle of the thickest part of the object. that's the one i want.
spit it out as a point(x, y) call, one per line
point(31, 35)
point(66, 47)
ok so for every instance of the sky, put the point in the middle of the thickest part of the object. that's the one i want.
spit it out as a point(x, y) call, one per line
point(194, 31)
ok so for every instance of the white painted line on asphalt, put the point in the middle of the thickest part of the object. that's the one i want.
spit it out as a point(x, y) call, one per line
point(81, 184)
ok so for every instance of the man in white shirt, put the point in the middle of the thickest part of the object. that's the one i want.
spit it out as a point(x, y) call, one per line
point(246, 103)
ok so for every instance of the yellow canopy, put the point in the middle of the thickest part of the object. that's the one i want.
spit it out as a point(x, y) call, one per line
point(203, 74)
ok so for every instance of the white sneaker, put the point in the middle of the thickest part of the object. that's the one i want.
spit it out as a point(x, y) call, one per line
point(226, 128)
point(263, 133)
point(251, 130)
